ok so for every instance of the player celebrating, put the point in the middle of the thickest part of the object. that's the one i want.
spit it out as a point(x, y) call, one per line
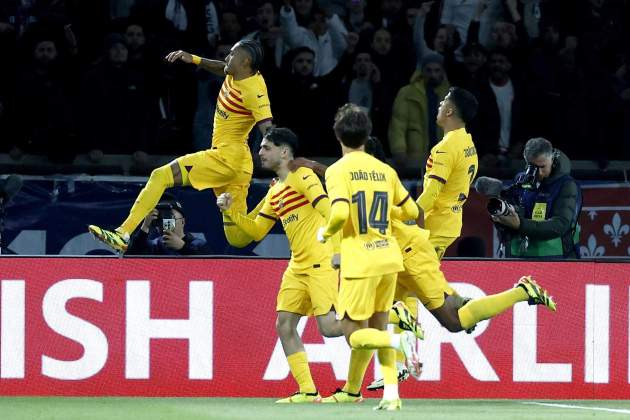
point(309, 284)
point(362, 191)
point(451, 168)
point(226, 167)
point(423, 278)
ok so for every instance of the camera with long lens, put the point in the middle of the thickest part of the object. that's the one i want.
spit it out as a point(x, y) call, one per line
point(498, 207)
point(166, 219)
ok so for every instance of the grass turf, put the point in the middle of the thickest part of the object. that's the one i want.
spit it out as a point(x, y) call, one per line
point(71, 408)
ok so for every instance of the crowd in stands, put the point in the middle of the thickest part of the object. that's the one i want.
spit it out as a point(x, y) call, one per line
point(88, 76)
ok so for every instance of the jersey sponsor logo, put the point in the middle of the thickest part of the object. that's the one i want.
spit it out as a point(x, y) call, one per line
point(457, 208)
point(367, 176)
point(260, 96)
point(292, 218)
point(470, 151)
point(304, 177)
point(379, 244)
point(222, 113)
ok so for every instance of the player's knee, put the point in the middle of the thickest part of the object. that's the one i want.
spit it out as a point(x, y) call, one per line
point(161, 176)
point(283, 327)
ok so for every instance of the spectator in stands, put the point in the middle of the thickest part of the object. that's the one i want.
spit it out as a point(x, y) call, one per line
point(163, 233)
point(269, 35)
point(544, 224)
point(445, 41)
point(356, 18)
point(117, 115)
point(307, 103)
point(231, 27)
point(325, 35)
point(413, 129)
point(43, 104)
point(499, 128)
point(368, 89)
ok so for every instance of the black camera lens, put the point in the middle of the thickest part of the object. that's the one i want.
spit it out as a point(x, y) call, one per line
point(497, 207)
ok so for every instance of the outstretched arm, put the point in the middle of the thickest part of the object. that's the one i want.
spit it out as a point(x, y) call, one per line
point(213, 66)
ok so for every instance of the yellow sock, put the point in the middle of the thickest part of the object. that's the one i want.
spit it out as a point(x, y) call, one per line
point(160, 179)
point(488, 306)
point(370, 338)
point(359, 361)
point(301, 372)
point(387, 358)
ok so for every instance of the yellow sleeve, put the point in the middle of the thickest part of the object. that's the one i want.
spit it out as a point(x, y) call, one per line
point(256, 101)
point(403, 201)
point(257, 227)
point(339, 203)
point(431, 191)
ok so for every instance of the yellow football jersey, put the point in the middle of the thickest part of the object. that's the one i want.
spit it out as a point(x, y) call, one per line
point(370, 188)
point(407, 233)
point(294, 202)
point(240, 105)
point(453, 162)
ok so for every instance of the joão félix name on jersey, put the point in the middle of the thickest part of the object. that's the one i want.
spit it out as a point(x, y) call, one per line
point(367, 176)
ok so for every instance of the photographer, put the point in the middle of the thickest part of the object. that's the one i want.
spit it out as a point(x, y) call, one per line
point(162, 233)
point(548, 202)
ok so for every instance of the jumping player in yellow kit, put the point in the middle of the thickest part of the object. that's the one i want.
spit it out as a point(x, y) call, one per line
point(226, 167)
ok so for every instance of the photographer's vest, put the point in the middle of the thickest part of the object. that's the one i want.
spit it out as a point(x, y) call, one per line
point(538, 206)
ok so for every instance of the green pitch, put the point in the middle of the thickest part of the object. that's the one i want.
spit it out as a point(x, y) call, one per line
point(44, 408)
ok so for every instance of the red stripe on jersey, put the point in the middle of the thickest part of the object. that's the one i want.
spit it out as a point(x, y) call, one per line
point(288, 194)
point(227, 92)
point(232, 102)
point(280, 192)
point(232, 86)
point(231, 109)
point(297, 206)
point(437, 178)
point(284, 203)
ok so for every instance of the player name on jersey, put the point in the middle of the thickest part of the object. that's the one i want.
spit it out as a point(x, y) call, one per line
point(367, 176)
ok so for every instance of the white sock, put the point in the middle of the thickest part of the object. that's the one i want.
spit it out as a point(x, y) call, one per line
point(394, 340)
point(390, 392)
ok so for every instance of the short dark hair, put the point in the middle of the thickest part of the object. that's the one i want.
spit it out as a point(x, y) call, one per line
point(465, 103)
point(281, 136)
point(352, 126)
point(537, 146)
point(254, 50)
point(171, 200)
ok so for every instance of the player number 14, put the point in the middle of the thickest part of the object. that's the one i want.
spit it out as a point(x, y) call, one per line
point(378, 211)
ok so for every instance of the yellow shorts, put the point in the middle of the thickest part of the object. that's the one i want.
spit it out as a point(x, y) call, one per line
point(440, 244)
point(360, 298)
point(221, 171)
point(423, 277)
point(312, 293)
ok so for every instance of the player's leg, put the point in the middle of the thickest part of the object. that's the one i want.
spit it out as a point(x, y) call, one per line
point(234, 235)
point(454, 312)
point(475, 310)
point(172, 174)
point(322, 289)
point(292, 303)
point(440, 244)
